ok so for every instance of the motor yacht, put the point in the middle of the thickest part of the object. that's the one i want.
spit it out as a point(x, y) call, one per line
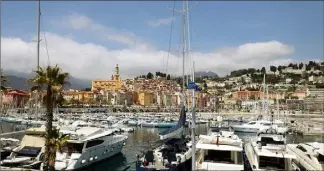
point(268, 152)
point(88, 145)
point(219, 150)
point(309, 156)
point(258, 125)
point(8, 144)
point(29, 153)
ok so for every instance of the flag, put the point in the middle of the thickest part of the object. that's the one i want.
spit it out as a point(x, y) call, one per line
point(193, 85)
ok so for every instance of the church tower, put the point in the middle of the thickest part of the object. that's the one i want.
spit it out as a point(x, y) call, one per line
point(116, 75)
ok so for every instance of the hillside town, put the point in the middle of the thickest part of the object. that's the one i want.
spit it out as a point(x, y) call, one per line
point(296, 87)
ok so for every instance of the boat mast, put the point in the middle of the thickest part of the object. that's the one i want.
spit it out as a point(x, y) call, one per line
point(264, 93)
point(193, 125)
point(1, 106)
point(38, 40)
point(184, 48)
point(278, 106)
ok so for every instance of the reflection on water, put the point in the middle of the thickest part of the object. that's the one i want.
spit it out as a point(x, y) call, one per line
point(10, 127)
point(144, 139)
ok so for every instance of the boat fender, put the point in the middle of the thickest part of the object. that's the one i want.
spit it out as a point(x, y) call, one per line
point(144, 163)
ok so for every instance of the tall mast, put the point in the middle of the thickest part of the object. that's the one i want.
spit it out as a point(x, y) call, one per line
point(1, 106)
point(278, 105)
point(193, 125)
point(38, 40)
point(264, 94)
point(0, 64)
point(183, 51)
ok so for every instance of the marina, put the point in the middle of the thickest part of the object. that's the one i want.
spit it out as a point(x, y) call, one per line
point(145, 138)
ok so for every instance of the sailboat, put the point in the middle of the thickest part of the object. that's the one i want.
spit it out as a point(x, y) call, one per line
point(175, 153)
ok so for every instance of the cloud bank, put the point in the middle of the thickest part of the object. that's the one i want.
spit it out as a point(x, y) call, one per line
point(94, 61)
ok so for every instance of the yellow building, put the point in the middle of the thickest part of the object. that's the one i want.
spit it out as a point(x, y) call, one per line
point(114, 84)
point(145, 98)
point(86, 96)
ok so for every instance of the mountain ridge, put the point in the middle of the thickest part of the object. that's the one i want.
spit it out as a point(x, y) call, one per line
point(18, 80)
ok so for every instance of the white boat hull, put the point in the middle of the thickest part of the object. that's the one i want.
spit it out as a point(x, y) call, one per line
point(239, 128)
point(90, 157)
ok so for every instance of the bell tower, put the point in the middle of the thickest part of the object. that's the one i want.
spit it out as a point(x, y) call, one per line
point(116, 75)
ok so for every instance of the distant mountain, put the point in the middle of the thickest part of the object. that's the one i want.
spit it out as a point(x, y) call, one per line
point(205, 74)
point(18, 80)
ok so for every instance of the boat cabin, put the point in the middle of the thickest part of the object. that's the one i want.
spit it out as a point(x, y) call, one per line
point(269, 152)
point(223, 150)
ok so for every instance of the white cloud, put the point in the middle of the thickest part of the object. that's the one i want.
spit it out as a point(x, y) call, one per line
point(95, 61)
point(80, 22)
point(159, 22)
point(89, 60)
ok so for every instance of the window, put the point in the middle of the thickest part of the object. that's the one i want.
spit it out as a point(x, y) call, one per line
point(251, 123)
point(301, 148)
point(94, 143)
point(271, 162)
point(320, 158)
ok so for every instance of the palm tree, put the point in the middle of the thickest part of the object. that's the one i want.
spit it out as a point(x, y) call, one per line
point(53, 79)
point(56, 143)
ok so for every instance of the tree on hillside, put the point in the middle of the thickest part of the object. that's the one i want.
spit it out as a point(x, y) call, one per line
point(4, 82)
point(251, 70)
point(54, 80)
point(168, 77)
point(291, 65)
point(205, 86)
point(149, 75)
point(311, 63)
point(273, 69)
point(301, 65)
point(308, 67)
point(263, 70)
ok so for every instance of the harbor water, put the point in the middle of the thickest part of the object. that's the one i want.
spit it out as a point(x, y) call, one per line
point(144, 139)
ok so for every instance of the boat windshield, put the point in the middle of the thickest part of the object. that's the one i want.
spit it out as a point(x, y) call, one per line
point(223, 157)
point(29, 151)
point(271, 163)
point(72, 147)
point(320, 158)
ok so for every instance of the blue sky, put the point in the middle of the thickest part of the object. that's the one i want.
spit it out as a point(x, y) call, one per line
point(214, 25)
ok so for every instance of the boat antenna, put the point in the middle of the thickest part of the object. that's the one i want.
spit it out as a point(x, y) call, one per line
point(0, 80)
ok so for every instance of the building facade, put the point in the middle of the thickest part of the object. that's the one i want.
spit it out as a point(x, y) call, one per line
point(114, 84)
